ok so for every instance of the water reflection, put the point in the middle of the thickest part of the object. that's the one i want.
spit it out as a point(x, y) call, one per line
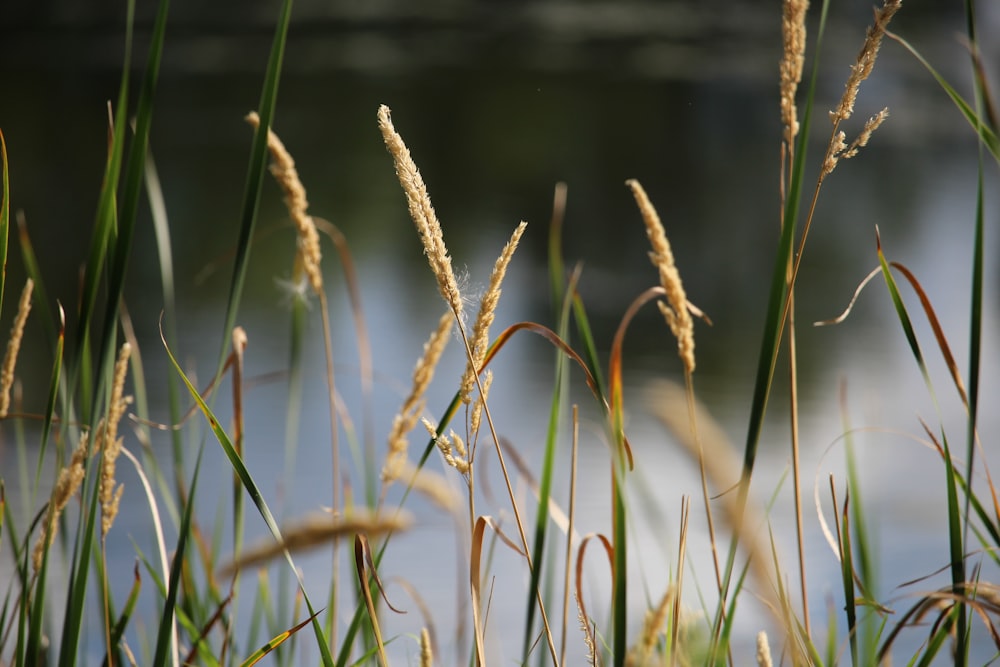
point(492, 131)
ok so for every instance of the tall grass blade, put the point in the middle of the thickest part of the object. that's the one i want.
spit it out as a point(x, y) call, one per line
point(165, 631)
point(252, 489)
point(987, 135)
point(4, 216)
point(955, 523)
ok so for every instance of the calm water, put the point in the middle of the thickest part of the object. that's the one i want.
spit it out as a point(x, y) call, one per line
point(494, 118)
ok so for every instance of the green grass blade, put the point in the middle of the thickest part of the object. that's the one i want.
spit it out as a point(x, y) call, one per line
point(545, 483)
point(955, 523)
point(165, 632)
point(4, 217)
point(119, 630)
point(252, 489)
point(986, 134)
point(255, 174)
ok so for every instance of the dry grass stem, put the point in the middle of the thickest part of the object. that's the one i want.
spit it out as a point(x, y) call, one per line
point(422, 212)
point(793, 32)
point(14, 347)
point(669, 404)
point(480, 339)
point(451, 447)
point(284, 172)
point(763, 650)
point(67, 484)
point(862, 68)
point(426, 654)
point(406, 420)
point(316, 531)
point(111, 444)
point(676, 310)
point(477, 407)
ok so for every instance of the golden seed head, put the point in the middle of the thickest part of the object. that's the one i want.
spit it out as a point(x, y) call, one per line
point(763, 650)
point(480, 340)
point(404, 422)
point(14, 347)
point(424, 217)
point(865, 62)
point(287, 176)
point(426, 654)
point(67, 483)
point(793, 30)
point(675, 311)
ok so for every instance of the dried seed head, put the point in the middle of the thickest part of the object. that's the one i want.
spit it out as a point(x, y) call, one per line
point(793, 31)
point(763, 650)
point(426, 654)
point(316, 531)
point(480, 340)
point(14, 347)
point(67, 484)
point(675, 311)
point(111, 444)
point(862, 68)
point(404, 422)
point(284, 172)
point(451, 447)
point(422, 212)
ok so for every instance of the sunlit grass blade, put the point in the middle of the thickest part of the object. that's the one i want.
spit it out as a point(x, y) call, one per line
point(255, 172)
point(274, 643)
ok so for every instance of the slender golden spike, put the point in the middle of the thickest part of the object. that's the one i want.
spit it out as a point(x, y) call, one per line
point(66, 486)
point(763, 650)
point(480, 339)
point(284, 172)
point(422, 212)
point(14, 347)
point(793, 31)
point(675, 311)
point(112, 444)
point(408, 415)
point(862, 68)
point(318, 530)
point(426, 655)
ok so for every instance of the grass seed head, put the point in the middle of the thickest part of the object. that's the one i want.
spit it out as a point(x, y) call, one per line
point(284, 172)
point(793, 31)
point(480, 340)
point(67, 484)
point(14, 347)
point(406, 419)
point(675, 311)
point(422, 212)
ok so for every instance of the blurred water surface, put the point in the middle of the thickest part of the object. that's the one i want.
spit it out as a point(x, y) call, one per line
point(498, 103)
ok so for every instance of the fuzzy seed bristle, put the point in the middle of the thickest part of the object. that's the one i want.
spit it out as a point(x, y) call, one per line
point(422, 212)
point(406, 419)
point(675, 311)
point(14, 347)
point(793, 31)
point(67, 483)
point(284, 172)
point(865, 62)
point(480, 339)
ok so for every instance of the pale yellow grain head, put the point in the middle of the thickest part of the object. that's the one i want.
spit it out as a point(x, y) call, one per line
point(14, 346)
point(675, 310)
